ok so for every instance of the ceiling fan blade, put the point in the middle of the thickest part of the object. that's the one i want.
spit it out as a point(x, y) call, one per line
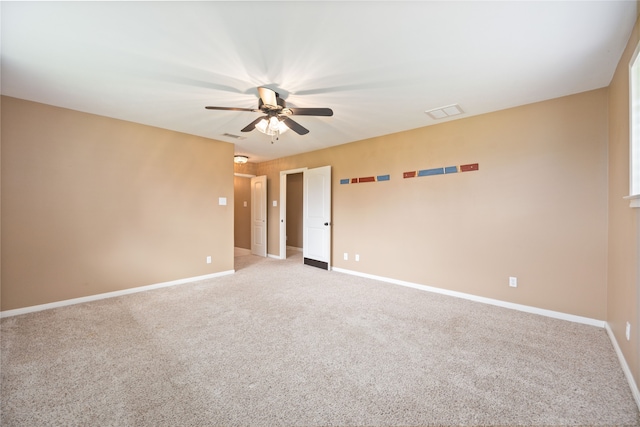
point(311, 111)
point(251, 126)
point(294, 126)
point(232, 109)
point(268, 96)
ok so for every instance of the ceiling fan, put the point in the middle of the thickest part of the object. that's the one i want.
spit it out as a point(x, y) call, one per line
point(276, 119)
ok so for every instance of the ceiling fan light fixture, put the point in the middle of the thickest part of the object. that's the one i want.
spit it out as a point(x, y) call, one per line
point(262, 125)
point(240, 159)
point(273, 126)
point(282, 128)
point(276, 119)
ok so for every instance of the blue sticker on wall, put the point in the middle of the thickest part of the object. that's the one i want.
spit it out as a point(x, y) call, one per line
point(451, 169)
point(429, 172)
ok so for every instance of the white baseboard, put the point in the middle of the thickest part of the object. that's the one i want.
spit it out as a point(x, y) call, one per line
point(274, 256)
point(499, 303)
point(625, 366)
point(34, 308)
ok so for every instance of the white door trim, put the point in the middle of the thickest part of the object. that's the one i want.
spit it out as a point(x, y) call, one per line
point(259, 216)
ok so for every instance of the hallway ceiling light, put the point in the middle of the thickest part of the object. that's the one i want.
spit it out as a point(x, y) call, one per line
point(240, 159)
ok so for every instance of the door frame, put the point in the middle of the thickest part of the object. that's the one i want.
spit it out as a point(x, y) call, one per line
point(264, 213)
point(283, 209)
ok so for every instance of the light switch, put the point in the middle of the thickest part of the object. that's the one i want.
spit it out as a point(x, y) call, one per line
point(222, 201)
point(275, 203)
point(245, 203)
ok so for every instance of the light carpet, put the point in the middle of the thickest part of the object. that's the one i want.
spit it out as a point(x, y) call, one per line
point(283, 344)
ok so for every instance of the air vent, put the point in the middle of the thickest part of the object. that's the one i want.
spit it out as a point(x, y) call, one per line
point(230, 135)
point(443, 112)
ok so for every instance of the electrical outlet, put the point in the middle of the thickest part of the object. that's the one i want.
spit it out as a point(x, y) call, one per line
point(346, 256)
point(209, 259)
point(627, 331)
point(357, 257)
point(513, 282)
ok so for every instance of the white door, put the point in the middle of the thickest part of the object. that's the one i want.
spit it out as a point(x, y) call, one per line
point(259, 215)
point(316, 213)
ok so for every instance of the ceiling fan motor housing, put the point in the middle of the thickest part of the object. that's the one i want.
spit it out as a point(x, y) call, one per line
point(266, 108)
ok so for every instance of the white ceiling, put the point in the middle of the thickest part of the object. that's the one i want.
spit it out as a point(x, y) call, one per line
point(378, 65)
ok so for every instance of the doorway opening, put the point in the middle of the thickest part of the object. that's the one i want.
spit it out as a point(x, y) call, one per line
point(293, 224)
point(291, 211)
point(250, 215)
point(242, 214)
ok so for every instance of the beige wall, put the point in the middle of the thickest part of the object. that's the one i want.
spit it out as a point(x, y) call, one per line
point(536, 209)
point(294, 210)
point(248, 168)
point(623, 297)
point(93, 205)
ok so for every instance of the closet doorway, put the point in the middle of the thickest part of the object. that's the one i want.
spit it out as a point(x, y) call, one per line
point(242, 214)
point(291, 219)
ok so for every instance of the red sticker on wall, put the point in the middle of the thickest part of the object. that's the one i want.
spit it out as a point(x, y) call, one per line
point(469, 168)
